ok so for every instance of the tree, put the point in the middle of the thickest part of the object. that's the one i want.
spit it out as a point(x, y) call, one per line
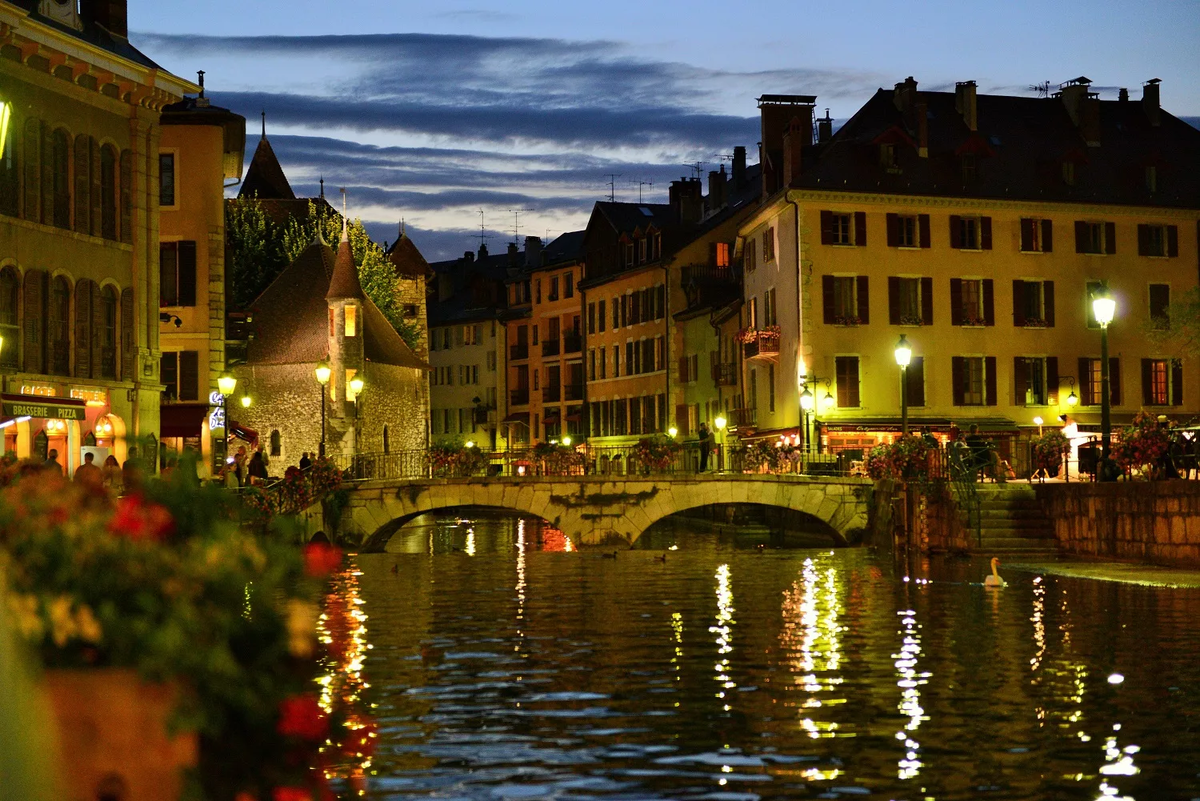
point(255, 254)
point(1178, 332)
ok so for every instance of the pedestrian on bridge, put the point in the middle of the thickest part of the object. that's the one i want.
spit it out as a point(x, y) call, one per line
point(704, 441)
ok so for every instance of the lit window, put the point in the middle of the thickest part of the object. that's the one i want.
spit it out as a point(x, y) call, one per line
point(351, 321)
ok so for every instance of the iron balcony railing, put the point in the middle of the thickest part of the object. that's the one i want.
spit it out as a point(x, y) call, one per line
point(551, 395)
point(573, 392)
point(572, 343)
point(725, 374)
point(549, 347)
point(518, 397)
point(759, 343)
point(518, 352)
point(743, 418)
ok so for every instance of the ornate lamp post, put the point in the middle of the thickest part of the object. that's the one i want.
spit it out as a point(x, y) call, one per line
point(806, 407)
point(719, 423)
point(323, 373)
point(226, 385)
point(1104, 308)
point(903, 357)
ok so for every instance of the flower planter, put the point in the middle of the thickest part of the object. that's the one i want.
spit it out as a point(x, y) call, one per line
point(113, 736)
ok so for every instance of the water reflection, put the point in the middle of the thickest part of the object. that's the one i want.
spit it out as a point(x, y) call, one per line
point(910, 681)
point(342, 627)
point(724, 631)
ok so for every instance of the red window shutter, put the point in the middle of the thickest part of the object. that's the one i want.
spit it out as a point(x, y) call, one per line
point(1176, 383)
point(923, 225)
point(683, 370)
point(189, 375)
point(1143, 239)
point(927, 301)
point(1018, 302)
point(1114, 381)
point(681, 419)
point(985, 233)
point(1110, 238)
point(956, 302)
point(893, 230)
point(915, 378)
point(83, 185)
point(1027, 234)
point(1048, 302)
point(1086, 398)
point(1081, 230)
point(893, 300)
point(955, 232)
point(989, 370)
point(1147, 379)
point(989, 302)
point(827, 297)
point(1173, 241)
point(864, 301)
point(83, 326)
point(827, 228)
point(1047, 236)
point(860, 228)
point(1052, 380)
point(958, 373)
point(1021, 376)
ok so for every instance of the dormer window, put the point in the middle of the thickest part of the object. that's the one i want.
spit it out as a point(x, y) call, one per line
point(970, 168)
point(1152, 179)
point(887, 156)
point(641, 250)
point(1068, 173)
point(628, 254)
point(351, 320)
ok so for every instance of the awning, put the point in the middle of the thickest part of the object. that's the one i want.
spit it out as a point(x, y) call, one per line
point(243, 433)
point(575, 418)
point(44, 407)
point(893, 424)
point(517, 417)
point(181, 419)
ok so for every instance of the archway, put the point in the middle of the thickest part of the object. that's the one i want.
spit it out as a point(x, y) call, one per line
point(469, 529)
point(744, 526)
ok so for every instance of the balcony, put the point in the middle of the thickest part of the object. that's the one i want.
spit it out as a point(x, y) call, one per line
point(551, 395)
point(573, 392)
point(572, 343)
point(482, 415)
point(550, 347)
point(518, 352)
point(518, 397)
point(760, 343)
point(743, 418)
point(725, 374)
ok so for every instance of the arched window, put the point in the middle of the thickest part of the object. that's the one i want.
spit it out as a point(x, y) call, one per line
point(83, 184)
point(108, 192)
point(60, 177)
point(86, 293)
point(58, 334)
point(9, 326)
point(108, 333)
point(275, 442)
point(9, 180)
point(386, 444)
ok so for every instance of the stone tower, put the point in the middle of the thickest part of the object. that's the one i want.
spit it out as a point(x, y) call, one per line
point(346, 302)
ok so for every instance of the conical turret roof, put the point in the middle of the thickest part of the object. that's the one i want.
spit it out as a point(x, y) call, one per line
point(265, 177)
point(407, 259)
point(344, 284)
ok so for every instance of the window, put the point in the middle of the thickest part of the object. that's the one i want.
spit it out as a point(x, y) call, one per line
point(641, 249)
point(470, 335)
point(60, 177)
point(1158, 240)
point(491, 361)
point(177, 274)
point(387, 445)
point(1151, 178)
point(908, 230)
point(59, 335)
point(970, 233)
point(722, 254)
point(1036, 235)
point(971, 301)
point(1033, 304)
point(1095, 237)
point(166, 179)
point(568, 285)
point(629, 254)
point(845, 299)
point(970, 168)
point(600, 316)
point(751, 258)
point(9, 329)
point(1036, 379)
point(108, 196)
point(276, 443)
point(752, 314)
point(887, 155)
point(1091, 381)
point(770, 387)
point(603, 365)
point(553, 294)
point(910, 301)
point(180, 374)
point(108, 332)
point(1162, 382)
point(1160, 303)
point(847, 381)
point(9, 177)
point(616, 313)
point(974, 380)
point(914, 379)
point(768, 240)
point(1068, 173)
point(351, 312)
point(841, 229)
point(769, 315)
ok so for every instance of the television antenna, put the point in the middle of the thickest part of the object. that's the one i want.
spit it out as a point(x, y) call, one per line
point(483, 234)
point(516, 213)
point(640, 185)
point(612, 186)
point(696, 167)
point(1041, 89)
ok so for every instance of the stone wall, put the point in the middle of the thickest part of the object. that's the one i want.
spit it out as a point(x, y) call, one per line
point(937, 522)
point(1153, 521)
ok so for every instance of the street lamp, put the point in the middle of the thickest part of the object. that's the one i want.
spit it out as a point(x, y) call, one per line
point(246, 401)
point(226, 384)
point(323, 372)
point(903, 357)
point(1104, 308)
point(672, 431)
point(719, 423)
point(806, 406)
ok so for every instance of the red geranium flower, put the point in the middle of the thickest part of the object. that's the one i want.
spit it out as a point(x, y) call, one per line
point(139, 520)
point(301, 716)
point(291, 794)
point(321, 558)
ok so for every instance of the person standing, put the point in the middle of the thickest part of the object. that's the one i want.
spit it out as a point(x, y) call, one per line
point(52, 462)
point(305, 462)
point(88, 474)
point(112, 474)
point(704, 441)
point(257, 468)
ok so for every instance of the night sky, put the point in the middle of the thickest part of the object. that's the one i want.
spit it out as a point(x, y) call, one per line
point(432, 111)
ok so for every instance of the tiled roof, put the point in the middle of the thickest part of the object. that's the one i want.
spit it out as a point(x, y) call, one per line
point(407, 259)
point(92, 34)
point(566, 247)
point(1020, 145)
point(291, 318)
point(345, 283)
point(265, 177)
point(625, 217)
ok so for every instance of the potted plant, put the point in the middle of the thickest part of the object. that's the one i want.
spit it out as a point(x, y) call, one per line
point(1048, 451)
point(655, 454)
point(1143, 446)
point(906, 458)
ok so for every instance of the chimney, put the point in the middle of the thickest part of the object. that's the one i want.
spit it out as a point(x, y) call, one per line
point(718, 195)
point(533, 251)
point(824, 128)
point(739, 168)
point(469, 257)
point(965, 103)
point(905, 94)
point(111, 15)
point(778, 113)
point(1150, 101)
point(1123, 95)
point(1073, 93)
point(686, 200)
point(513, 253)
point(793, 144)
point(1089, 120)
point(483, 254)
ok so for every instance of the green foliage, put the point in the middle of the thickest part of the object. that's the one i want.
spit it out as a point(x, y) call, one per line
point(1143, 445)
point(1178, 332)
point(256, 254)
point(906, 458)
point(1048, 450)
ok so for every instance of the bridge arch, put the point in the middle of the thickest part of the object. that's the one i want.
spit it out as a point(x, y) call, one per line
point(599, 511)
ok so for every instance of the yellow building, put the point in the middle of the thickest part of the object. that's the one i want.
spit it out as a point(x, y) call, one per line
point(976, 227)
point(202, 148)
point(79, 228)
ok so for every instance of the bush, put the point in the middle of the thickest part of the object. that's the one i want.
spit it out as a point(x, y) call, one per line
point(655, 453)
point(1143, 444)
point(906, 458)
point(1048, 450)
point(456, 461)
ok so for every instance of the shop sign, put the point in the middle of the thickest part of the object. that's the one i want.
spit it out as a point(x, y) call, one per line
point(34, 408)
point(216, 418)
point(93, 397)
point(40, 390)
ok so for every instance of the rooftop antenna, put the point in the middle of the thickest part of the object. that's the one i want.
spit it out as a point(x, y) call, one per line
point(345, 219)
point(264, 118)
point(1041, 89)
point(641, 184)
point(516, 213)
point(483, 234)
point(696, 167)
point(612, 186)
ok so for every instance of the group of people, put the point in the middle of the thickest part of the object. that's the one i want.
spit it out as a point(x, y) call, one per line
point(112, 476)
point(245, 469)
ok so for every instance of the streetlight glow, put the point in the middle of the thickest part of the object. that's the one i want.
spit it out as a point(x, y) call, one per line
point(903, 352)
point(1104, 306)
point(356, 385)
point(720, 423)
point(1072, 399)
point(226, 384)
point(672, 431)
point(806, 400)
point(323, 372)
point(827, 401)
point(246, 401)
point(566, 441)
point(903, 357)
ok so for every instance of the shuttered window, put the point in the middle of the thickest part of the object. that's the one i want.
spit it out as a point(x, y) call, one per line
point(177, 274)
point(847, 382)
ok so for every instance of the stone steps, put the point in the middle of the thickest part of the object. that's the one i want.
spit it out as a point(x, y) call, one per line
point(1013, 523)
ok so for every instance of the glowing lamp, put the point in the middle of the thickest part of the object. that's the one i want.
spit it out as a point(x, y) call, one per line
point(720, 423)
point(806, 400)
point(566, 441)
point(1037, 421)
point(356, 385)
point(470, 443)
point(827, 401)
point(55, 427)
point(226, 384)
point(323, 372)
point(1104, 306)
point(903, 352)
point(1072, 399)
point(246, 401)
point(672, 431)
point(5, 116)
point(103, 428)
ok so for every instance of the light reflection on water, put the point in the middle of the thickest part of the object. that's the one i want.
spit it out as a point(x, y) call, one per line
point(505, 665)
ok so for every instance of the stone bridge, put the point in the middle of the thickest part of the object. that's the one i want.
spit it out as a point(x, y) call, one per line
point(596, 510)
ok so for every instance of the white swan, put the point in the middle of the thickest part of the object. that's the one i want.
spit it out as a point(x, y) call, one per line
point(994, 580)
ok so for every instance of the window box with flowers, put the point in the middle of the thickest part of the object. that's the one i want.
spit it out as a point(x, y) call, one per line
point(1143, 447)
point(1035, 322)
point(848, 319)
point(655, 454)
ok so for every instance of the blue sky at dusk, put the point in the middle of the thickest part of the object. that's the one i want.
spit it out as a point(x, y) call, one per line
point(432, 111)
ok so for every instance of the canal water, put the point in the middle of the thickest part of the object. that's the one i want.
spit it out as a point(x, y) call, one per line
point(503, 663)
